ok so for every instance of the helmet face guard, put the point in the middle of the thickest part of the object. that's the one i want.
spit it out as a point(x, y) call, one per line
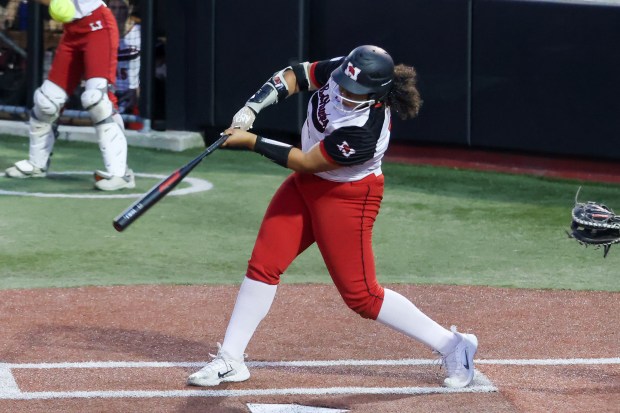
point(367, 70)
point(345, 105)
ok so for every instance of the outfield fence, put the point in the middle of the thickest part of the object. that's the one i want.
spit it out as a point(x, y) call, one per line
point(533, 76)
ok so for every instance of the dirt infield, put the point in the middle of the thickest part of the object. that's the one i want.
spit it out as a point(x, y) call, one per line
point(130, 349)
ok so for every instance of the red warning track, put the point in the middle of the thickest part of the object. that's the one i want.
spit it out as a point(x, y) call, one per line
point(476, 159)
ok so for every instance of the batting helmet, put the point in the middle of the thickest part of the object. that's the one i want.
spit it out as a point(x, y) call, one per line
point(366, 70)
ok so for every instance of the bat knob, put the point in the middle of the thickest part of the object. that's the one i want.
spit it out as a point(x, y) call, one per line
point(117, 226)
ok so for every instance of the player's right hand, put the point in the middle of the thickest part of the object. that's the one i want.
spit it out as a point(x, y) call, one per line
point(243, 119)
point(238, 138)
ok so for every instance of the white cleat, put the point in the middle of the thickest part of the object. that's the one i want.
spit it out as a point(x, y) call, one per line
point(106, 182)
point(24, 169)
point(460, 362)
point(223, 368)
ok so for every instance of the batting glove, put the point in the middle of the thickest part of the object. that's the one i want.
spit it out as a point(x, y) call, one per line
point(243, 119)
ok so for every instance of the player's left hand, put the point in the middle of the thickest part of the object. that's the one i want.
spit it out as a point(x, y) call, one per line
point(238, 138)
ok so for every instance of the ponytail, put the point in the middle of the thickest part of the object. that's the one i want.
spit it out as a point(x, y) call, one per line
point(404, 97)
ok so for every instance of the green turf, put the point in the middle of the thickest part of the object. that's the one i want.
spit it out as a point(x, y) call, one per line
point(437, 225)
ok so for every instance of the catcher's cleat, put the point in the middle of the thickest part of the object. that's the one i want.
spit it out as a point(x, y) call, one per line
point(459, 363)
point(223, 368)
point(24, 169)
point(106, 182)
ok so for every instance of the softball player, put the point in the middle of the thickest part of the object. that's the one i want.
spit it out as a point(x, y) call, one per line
point(333, 199)
point(87, 51)
point(128, 69)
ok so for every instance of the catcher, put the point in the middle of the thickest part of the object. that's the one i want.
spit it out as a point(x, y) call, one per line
point(594, 224)
point(87, 51)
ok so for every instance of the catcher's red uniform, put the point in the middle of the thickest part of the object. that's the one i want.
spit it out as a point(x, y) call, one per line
point(336, 209)
point(88, 49)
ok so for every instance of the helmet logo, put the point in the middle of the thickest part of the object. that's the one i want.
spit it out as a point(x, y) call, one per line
point(352, 71)
point(346, 149)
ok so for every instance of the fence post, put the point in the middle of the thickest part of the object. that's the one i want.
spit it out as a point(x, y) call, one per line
point(147, 63)
point(34, 69)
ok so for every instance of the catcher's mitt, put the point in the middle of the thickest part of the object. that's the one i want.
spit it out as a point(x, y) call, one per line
point(594, 224)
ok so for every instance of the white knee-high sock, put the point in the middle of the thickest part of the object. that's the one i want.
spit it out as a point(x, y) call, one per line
point(253, 303)
point(402, 315)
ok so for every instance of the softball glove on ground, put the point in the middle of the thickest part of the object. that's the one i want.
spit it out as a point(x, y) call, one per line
point(594, 224)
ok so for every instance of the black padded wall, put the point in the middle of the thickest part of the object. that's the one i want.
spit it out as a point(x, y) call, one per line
point(189, 61)
point(252, 41)
point(545, 77)
point(527, 75)
point(429, 35)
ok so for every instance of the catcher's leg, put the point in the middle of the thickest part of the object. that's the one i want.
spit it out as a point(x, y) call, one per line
point(49, 100)
point(112, 141)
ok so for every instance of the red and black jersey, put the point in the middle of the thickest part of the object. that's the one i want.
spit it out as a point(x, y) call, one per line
point(355, 140)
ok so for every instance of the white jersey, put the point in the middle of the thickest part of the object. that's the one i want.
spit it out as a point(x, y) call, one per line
point(128, 69)
point(357, 141)
point(86, 7)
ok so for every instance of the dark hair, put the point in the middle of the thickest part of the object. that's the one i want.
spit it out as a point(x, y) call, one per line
point(404, 97)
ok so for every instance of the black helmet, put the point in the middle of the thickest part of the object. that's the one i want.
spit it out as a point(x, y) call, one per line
point(366, 70)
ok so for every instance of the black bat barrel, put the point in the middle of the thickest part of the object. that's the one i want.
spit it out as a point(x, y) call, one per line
point(162, 188)
point(143, 204)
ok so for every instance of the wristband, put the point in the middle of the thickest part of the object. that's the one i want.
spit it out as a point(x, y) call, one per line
point(273, 150)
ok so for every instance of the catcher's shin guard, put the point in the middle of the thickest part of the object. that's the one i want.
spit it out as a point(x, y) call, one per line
point(112, 141)
point(49, 100)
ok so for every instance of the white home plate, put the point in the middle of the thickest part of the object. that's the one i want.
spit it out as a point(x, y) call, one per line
point(290, 408)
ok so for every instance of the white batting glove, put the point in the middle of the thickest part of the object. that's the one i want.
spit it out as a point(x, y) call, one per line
point(243, 119)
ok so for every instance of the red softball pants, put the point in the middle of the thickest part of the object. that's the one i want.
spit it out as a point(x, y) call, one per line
point(88, 49)
point(339, 217)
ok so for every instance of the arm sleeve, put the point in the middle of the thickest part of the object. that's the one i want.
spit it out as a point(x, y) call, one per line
point(321, 71)
point(350, 145)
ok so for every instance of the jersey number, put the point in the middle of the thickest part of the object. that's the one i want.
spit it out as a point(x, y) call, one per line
point(96, 26)
point(122, 73)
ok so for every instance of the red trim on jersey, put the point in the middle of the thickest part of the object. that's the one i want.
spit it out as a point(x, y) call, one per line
point(312, 77)
point(325, 154)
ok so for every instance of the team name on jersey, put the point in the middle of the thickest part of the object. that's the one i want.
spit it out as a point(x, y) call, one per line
point(319, 114)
